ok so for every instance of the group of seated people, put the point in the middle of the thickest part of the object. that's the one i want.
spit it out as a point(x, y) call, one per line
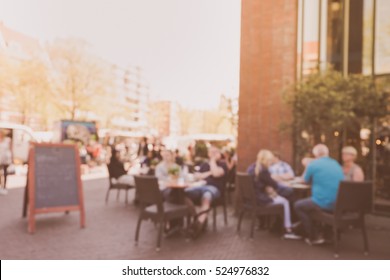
point(211, 175)
point(322, 172)
point(270, 175)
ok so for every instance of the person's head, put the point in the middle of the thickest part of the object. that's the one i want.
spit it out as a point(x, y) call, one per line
point(167, 156)
point(349, 154)
point(264, 160)
point(214, 153)
point(320, 150)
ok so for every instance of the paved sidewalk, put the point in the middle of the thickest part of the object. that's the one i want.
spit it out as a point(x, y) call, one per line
point(109, 234)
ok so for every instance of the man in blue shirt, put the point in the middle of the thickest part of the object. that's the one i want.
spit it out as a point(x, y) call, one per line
point(324, 174)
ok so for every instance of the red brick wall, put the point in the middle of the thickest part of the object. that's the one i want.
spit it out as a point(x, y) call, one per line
point(268, 66)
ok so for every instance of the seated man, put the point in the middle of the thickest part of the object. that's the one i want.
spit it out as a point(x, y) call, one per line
point(213, 174)
point(281, 171)
point(324, 174)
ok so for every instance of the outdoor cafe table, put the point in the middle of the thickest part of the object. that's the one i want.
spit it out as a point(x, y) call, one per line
point(299, 186)
point(177, 187)
point(177, 196)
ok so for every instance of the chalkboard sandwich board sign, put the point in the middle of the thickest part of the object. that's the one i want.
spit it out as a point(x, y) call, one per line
point(54, 182)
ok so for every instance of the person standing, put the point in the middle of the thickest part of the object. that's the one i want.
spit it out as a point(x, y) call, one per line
point(5, 160)
point(143, 148)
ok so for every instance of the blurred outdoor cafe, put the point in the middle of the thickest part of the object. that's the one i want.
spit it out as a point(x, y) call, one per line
point(172, 189)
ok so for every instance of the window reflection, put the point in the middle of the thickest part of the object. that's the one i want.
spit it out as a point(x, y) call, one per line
point(311, 37)
point(320, 41)
point(335, 34)
point(382, 37)
point(368, 25)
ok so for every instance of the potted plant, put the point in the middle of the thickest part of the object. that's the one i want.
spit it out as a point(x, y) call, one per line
point(174, 172)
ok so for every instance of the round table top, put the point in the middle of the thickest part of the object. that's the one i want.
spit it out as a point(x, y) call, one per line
point(298, 183)
point(176, 184)
point(299, 186)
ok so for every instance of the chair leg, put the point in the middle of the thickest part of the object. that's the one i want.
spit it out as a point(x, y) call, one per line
point(215, 218)
point(336, 241)
point(253, 225)
point(159, 236)
point(127, 196)
point(117, 195)
point(138, 229)
point(108, 192)
point(240, 220)
point(225, 215)
point(188, 222)
point(365, 238)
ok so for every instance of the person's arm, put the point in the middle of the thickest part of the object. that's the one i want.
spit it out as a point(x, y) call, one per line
point(288, 174)
point(358, 175)
point(203, 173)
point(307, 176)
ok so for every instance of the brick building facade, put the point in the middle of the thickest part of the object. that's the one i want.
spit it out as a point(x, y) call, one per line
point(268, 65)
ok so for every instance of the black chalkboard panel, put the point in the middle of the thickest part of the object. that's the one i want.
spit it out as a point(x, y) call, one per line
point(56, 176)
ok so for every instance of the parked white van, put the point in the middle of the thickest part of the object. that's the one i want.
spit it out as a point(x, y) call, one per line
point(20, 136)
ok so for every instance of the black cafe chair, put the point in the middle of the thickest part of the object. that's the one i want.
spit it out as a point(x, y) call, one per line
point(154, 208)
point(230, 184)
point(117, 186)
point(249, 204)
point(354, 201)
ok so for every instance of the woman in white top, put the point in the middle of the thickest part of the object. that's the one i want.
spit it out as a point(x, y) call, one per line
point(5, 160)
point(352, 171)
point(167, 163)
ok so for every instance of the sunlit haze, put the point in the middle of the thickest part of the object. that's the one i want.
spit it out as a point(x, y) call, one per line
point(188, 50)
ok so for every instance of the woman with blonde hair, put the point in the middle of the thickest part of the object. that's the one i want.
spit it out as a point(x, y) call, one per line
point(265, 188)
point(352, 171)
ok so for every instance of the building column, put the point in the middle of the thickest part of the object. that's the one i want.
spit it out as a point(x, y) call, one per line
point(267, 68)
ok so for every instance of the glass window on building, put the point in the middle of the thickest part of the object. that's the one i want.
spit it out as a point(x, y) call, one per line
point(368, 28)
point(310, 47)
point(334, 40)
point(382, 37)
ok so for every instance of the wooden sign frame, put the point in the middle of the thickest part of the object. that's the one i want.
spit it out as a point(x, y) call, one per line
point(29, 196)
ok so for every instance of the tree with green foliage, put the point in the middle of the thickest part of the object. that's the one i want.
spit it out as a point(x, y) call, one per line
point(332, 109)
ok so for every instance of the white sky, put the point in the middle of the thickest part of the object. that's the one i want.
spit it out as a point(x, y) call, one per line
point(188, 49)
